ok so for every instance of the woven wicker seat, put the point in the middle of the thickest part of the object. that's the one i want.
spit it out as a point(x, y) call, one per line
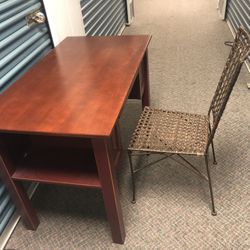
point(176, 133)
point(167, 132)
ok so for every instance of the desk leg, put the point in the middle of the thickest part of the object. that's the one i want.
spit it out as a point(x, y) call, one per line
point(145, 80)
point(109, 189)
point(17, 191)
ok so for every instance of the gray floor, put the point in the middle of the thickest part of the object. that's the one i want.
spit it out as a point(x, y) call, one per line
point(173, 208)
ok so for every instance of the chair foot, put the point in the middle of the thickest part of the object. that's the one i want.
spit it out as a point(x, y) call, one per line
point(133, 201)
point(215, 162)
point(214, 213)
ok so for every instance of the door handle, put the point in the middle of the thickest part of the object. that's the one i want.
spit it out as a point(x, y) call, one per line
point(36, 17)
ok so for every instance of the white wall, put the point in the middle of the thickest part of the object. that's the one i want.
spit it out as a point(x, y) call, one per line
point(65, 19)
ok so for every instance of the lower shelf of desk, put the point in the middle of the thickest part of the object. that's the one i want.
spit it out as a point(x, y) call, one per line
point(66, 166)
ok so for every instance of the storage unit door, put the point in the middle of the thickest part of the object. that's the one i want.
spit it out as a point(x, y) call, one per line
point(238, 14)
point(103, 17)
point(21, 46)
point(6, 207)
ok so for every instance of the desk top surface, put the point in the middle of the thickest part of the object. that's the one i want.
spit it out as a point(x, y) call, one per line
point(79, 88)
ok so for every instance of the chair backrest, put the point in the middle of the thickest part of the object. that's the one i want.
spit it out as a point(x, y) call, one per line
point(238, 54)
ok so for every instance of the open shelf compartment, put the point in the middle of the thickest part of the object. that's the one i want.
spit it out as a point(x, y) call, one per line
point(54, 160)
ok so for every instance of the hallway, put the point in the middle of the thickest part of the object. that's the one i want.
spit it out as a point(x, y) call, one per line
point(187, 51)
point(186, 57)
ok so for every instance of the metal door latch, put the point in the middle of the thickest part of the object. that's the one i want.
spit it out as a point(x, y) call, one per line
point(36, 17)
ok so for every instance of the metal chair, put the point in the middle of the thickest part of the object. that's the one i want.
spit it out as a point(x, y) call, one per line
point(176, 133)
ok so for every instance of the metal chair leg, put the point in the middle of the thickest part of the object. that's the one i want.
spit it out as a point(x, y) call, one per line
point(210, 186)
point(132, 176)
point(212, 144)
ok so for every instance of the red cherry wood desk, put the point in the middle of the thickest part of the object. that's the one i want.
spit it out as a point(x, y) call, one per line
point(59, 122)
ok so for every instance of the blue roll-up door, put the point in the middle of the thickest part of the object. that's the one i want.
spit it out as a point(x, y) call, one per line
point(6, 207)
point(21, 46)
point(103, 17)
point(238, 14)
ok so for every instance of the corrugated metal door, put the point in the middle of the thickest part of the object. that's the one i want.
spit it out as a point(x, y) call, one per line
point(21, 46)
point(238, 14)
point(6, 207)
point(103, 17)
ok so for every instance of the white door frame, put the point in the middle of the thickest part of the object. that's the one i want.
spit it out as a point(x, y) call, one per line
point(222, 6)
point(64, 19)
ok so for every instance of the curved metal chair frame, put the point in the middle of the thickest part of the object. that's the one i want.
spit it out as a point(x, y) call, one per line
point(177, 133)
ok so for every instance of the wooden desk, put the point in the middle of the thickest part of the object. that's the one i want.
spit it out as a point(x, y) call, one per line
point(59, 122)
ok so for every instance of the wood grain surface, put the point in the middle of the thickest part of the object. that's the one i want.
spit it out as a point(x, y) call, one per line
point(79, 88)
